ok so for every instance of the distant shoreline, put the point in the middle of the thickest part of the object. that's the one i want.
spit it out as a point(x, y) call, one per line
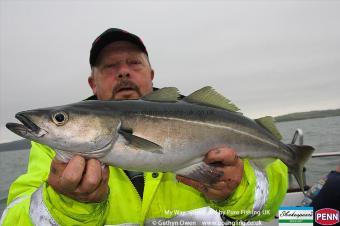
point(15, 145)
point(307, 115)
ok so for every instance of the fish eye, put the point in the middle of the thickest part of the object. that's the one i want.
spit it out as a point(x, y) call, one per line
point(59, 118)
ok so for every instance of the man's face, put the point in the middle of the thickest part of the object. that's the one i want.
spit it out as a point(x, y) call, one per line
point(122, 71)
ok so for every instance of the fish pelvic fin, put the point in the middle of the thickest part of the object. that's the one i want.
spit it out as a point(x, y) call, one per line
point(209, 97)
point(140, 143)
point(166, 94)
point(268, 123)
point(302, 154)
point(202, 172)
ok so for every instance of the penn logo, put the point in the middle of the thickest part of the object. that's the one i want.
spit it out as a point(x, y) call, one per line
point(327, 216)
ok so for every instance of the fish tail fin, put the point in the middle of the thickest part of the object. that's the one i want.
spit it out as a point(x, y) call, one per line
point(302, 154)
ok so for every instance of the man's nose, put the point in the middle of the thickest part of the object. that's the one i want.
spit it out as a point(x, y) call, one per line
point(123, 72)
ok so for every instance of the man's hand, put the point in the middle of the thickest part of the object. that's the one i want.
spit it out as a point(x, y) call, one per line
point(80, 179)
point(232, 168)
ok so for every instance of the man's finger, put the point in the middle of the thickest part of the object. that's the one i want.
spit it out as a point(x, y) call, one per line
point(217, 194)
point(101, 192)
point(57, 167)
point(222, 154)
point(73, 173)
point(195, 184)
point(105, 173)
point(220, 185)
point(92, 177)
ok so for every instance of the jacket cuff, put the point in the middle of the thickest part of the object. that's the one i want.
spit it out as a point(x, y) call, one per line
point(66, 211)
point(38, 211)
point(277, 174)
point(239, 204)
point(259, 194)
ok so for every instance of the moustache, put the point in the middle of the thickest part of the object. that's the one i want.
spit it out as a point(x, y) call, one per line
point(126, 85)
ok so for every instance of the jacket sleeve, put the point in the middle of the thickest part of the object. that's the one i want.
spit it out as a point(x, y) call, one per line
point(32, 201)
point(259, 195)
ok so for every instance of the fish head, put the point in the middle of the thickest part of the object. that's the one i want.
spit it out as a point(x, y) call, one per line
point(69, 128)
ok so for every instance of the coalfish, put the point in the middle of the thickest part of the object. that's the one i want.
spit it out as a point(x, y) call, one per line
point(159, 133)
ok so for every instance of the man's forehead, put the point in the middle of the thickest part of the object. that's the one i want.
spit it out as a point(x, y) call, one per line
point(121, 46)
point(119, 49)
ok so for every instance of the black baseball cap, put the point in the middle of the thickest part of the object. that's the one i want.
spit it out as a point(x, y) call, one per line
point(113, 35)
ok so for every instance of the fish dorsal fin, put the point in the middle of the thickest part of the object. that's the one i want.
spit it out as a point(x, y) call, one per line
point(166, 94)
point(267, 122)
point(209, 97)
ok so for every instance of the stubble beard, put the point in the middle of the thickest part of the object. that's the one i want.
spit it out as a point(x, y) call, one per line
point(128, 86)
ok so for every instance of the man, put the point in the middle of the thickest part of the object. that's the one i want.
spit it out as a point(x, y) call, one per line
point(83, 192)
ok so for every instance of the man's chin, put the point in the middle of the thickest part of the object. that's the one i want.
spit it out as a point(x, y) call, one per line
point(126, 94)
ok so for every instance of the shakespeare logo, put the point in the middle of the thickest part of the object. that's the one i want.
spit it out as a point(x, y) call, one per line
point(327, 216)
point(290, 215)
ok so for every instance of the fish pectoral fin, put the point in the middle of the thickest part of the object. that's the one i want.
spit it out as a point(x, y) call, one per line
point(209, 97)
point(166, 94)
point(140, 143)
point(205, 173)
point(268, 123)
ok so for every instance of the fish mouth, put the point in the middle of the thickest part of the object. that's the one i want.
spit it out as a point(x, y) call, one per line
point(27, 129)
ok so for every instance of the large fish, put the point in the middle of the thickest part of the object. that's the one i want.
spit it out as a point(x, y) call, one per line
point(159, 133)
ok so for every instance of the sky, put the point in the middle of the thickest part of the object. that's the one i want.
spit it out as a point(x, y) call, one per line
point(268, 57)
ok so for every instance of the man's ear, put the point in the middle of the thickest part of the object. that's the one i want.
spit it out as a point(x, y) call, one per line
point(152, 74)
point(92, 84)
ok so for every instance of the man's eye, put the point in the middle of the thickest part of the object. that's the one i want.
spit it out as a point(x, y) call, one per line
point(135, 62)
point(110, 65)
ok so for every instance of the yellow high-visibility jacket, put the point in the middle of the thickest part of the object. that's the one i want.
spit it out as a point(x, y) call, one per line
point(32, 201)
